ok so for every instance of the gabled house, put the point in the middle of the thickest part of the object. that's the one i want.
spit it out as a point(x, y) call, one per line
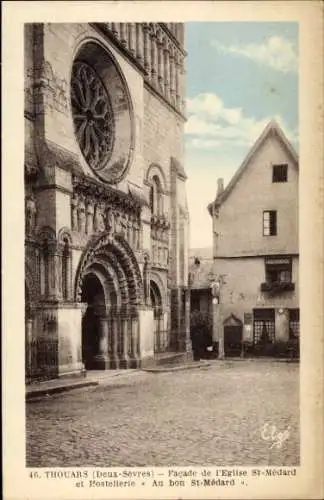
point(255, 246)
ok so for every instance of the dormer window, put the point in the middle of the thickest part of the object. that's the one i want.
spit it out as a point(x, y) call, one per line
point(280, 173)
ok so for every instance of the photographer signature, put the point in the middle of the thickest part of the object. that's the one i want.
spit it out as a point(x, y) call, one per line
point(269, 433)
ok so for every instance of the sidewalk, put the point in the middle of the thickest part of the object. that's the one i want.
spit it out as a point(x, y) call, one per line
point(42, 389)
point(91, 378)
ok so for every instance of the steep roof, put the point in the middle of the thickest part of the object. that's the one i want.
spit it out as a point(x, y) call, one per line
point(271, 128)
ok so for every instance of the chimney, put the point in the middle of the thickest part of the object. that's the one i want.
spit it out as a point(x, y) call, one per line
point(220, 186)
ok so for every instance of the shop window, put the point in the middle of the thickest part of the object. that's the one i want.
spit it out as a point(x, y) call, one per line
point(263, 326)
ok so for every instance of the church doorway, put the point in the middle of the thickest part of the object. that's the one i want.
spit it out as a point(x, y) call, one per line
point(93, 295)
point(109, 284)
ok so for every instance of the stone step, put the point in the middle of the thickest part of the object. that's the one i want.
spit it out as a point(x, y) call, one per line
point(171, 358)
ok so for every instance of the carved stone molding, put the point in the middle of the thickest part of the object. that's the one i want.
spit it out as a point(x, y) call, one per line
point(83, 185)
point(45, 90)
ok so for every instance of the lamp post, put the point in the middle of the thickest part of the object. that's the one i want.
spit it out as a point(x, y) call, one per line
point(217, 330)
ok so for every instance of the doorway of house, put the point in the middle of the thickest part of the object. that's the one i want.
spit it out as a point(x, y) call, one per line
point(233, 336)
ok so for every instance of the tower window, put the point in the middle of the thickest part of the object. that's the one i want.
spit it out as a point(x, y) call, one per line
point(280, 173)
point(270, 223)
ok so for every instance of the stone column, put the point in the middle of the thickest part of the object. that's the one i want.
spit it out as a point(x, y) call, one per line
point(114, 29)
point(160, 67)
point(188, 346)
point(153, 59)
point(172, 79)
point(54, 274)
point(139, 42)
point(69, 275)
point(218, 328)
point(102, 358)
point(58, 273)
point(74, 213)
point(131, 347)
point(183, 89)
point(124, 361)
point(81, 217)
point(115, 355)
point(147, 58)
point(146, 280)
point(29, 339)
point(135, 341)
point(89, 219)
point(131, 37)
point(42, 274)
point(140, 235)
point(30, 217)
point(166, 72)
point(177, 81)
point(123, 34)
point(136, 235)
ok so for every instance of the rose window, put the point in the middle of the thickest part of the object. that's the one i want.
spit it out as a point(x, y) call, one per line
point(93, 116)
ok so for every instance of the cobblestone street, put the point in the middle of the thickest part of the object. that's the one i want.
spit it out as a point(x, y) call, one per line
point(209, 416)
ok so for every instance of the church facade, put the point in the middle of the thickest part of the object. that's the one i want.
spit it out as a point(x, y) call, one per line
point(106, 233)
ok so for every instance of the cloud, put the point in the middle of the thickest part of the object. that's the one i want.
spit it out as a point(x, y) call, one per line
point(210, 123)
point(205, 144)
point(277, 52)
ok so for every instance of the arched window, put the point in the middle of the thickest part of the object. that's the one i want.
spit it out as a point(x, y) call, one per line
point(156, 196)
point(66, 270)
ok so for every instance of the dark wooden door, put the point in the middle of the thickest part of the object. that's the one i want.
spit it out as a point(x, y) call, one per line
point(233, 340)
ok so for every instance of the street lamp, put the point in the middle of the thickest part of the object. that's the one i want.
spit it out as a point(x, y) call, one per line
point(215, 290)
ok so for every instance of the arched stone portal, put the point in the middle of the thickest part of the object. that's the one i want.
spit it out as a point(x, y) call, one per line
point(110, 283)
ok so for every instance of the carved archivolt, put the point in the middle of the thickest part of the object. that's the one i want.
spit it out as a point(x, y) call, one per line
point(113, 251)
point(158, 283)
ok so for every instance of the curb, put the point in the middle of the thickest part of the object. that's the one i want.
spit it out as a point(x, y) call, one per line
point(175, 368)
point(259, 359)
point(36, 393)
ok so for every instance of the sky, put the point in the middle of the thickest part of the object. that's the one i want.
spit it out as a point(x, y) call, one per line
point(240, 75)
